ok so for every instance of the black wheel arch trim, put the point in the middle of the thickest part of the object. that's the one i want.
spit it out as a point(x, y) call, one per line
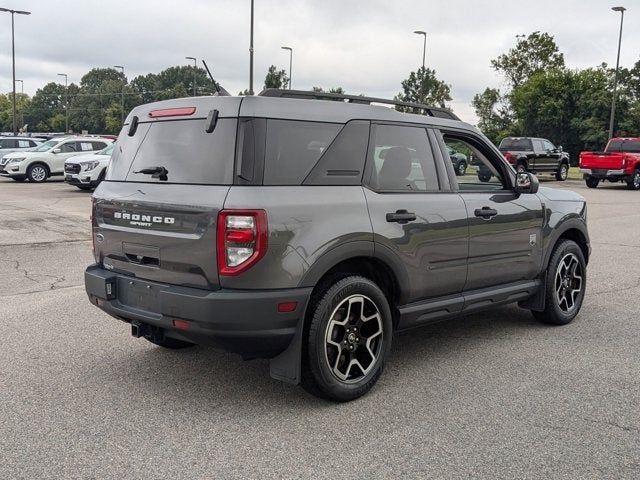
point(568, 225)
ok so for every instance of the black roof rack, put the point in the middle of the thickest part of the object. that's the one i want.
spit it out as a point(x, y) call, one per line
point(340, 97)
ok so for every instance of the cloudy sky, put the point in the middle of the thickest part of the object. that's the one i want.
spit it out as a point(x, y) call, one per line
point(364, 46)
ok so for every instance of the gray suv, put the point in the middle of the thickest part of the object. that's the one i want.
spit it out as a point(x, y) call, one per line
point(294, 227)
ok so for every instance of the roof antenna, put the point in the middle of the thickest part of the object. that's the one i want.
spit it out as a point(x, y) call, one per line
point(221, 92)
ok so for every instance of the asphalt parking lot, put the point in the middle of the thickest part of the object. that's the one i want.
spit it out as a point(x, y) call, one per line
point(494, 395)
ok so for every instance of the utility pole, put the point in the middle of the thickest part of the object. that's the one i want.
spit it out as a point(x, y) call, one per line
point(13, 58)
point(122, 95)
point(424, 46)
point(290, 62)
point(66, 100)
point(195, 68)
point(251, 54)
point(615, 80)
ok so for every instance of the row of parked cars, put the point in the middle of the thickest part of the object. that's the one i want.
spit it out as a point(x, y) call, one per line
point(81, 159)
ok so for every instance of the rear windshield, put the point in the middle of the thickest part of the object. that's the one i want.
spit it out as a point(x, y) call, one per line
point(516, 144)
point(630, 146)
point(181, 147)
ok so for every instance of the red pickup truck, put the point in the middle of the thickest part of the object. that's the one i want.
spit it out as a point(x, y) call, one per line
point(619, 162)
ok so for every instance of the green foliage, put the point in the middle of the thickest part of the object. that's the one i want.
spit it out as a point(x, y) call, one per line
point(495, 118)
point(534, 53)
point(423, 87)
point(276, 78)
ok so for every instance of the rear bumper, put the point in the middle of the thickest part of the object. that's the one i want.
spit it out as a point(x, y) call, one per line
point(239, 321)
point(602, 173)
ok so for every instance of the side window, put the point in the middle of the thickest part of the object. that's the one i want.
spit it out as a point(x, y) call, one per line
point(85, 146)
point(23, 144)
point(293, 148)
point(485, 173)
point(538, 146)
point(98, 145)
point(69, 147)
point(343, 162)
point(32, 143)
point(548, 146)
point(9, 143)
point(401, 160)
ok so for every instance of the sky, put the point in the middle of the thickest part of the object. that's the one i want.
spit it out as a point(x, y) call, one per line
point(363, 46)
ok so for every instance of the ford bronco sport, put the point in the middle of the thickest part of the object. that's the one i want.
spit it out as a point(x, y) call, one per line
point(294, 227)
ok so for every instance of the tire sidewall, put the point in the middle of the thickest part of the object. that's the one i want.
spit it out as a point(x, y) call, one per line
point(563, 172)
point(330, 384)
point(566, 247)
point(462, 168)
point(521, 168)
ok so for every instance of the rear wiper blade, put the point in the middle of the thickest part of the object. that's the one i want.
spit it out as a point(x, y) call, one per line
point(155, 172)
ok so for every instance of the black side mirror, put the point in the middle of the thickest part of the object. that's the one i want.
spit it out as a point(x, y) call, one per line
point(526, 183)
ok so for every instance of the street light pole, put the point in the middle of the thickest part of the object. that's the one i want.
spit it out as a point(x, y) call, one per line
point(290, 62)
point(22, 97)
point(122, 95)
point(66, 101)
point(424, 46)
point(13, 58)
point(195, 66)
point(615, 80)
point(251, 54)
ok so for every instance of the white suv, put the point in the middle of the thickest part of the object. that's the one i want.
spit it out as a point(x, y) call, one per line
point(48, 159)
point(87, 171)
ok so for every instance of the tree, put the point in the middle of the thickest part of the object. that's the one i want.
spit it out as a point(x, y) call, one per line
point(532, 54)
point(276, 78)
point(495, 118)
point(339, 90)
point(423, 87)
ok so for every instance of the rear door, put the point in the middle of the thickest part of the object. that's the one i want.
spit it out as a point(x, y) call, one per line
point(417, 220)
point(163, 228)
point(505, 228)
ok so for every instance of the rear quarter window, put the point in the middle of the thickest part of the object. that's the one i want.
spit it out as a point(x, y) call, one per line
point(183, 147)
point(293, 149)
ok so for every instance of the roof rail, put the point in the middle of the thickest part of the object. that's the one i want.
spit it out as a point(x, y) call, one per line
point(340, 97)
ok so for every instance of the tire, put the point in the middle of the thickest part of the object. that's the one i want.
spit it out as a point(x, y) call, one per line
point(521, 168)
point(563, 172)
point(100, 177)
point(333, 341)
point(461, 168)
point(37, 173)
point(484, 177)
point(592, 182)
point(566, 282)
point(170, 343)
point(633, 183)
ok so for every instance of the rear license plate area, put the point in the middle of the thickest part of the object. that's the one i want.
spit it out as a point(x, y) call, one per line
point(137, 294)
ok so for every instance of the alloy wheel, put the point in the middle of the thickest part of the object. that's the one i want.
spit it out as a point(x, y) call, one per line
point(568, 282)
point(353, 338)
point(38, 173)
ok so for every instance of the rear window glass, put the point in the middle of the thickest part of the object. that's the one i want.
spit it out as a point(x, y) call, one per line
point(515, 144)
point(630, 146)
point(182, 147)
point(293, 148)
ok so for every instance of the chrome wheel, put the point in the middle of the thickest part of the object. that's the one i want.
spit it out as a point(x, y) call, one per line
point(520, 168)
point(353, 338)
point(563, 172)
point(462, 168)
point(568, 282)
point(38, 173)
point(636, 180)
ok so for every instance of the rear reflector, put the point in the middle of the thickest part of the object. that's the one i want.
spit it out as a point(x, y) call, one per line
point(173, 112)
point(181, 324)
point(286, 307)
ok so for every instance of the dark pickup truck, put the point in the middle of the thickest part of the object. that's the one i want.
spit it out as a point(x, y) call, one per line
point(620, 162)
point(535, 155)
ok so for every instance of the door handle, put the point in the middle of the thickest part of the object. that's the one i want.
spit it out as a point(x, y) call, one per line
point(401, 216)
point(485, 212)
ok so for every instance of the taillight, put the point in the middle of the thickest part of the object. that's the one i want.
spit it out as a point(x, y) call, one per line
point(242, 239)
point(509, 157)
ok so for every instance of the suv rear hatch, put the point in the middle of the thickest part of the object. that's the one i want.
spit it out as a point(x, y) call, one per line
point(154, 216)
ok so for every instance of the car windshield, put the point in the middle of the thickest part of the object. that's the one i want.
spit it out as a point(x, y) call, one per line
point(47, 145)
point(106, 151)
point(515, 144)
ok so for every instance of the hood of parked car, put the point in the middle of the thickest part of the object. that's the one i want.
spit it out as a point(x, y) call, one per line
point(556, 194)
point(85, 158)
